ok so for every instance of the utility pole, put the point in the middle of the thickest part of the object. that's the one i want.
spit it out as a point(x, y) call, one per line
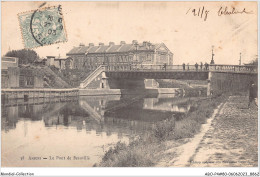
point(240, 59)
point(212, 62)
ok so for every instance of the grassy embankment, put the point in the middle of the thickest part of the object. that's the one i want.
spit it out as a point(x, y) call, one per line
point(50, 78)
point(72, 76)
point(149, 149)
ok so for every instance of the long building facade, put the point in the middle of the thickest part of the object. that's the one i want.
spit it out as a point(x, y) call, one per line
point(120, 56)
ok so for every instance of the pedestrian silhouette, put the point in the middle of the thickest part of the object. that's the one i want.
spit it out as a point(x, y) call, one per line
point(164, 66)
point(201, 65)
point(252, 93)
point(206, 66)
point(196, 66)
point(183, 66)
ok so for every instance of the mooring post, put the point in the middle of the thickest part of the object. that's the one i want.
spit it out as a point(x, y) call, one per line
point(209, 84)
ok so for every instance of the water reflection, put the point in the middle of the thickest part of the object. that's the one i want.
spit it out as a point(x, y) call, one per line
point(104, 120)
point(99, 113)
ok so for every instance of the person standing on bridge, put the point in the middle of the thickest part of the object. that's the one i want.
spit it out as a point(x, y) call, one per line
point(188, 67)
point(206, 66)
point(164, 66)
point(183, 66)
point(196, 66)
point(252, 94)
point(201, 66)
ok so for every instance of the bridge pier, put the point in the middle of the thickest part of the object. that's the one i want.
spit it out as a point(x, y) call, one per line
point(104, 81)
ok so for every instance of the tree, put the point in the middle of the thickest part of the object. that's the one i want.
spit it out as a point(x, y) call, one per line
point(254, 61)
point(26, 56)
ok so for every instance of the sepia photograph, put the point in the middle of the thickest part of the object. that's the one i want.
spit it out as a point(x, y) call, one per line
point(129, 84)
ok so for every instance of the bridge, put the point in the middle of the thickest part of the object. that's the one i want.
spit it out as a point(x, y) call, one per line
point(220, 78)
point(129, 76)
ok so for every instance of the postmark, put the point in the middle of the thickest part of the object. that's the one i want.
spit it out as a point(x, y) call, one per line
point(42, 27)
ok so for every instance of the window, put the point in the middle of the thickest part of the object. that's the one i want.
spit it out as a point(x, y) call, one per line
point(30, 80)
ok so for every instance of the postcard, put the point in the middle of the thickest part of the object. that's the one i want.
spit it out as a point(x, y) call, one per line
point(129, 84)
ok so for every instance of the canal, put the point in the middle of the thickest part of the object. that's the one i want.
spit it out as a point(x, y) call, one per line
point(78, 132)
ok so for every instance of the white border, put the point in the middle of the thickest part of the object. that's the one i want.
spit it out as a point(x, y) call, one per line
point(153, 171)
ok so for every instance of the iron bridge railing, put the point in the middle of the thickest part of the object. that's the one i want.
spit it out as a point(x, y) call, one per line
point(220, 68)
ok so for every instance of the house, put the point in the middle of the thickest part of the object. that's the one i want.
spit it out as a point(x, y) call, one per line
point(40, 61)
point(7, 62)
point(13, 76)
point(9, 74)
point(146, 53)
point(59, 62)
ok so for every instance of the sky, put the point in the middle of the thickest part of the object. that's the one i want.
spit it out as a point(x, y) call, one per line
point(188, 36)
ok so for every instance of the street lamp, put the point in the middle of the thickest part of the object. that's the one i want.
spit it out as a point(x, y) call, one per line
point(212, 62)
point(240, 59)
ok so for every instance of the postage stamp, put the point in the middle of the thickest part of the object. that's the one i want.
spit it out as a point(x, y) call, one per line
point(42, 27)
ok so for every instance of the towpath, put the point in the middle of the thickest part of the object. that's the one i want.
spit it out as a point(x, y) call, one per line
point(231, 141)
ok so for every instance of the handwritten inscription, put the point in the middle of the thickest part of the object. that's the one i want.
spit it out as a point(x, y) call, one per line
point(226, 11)
point(203, 13)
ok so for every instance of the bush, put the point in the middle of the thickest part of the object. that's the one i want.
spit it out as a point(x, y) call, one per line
point(127, 156)
point(164, 129)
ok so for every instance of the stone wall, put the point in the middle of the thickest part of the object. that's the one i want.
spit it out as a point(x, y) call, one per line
point(126, 83)
point(230, 82)
point(13, 77)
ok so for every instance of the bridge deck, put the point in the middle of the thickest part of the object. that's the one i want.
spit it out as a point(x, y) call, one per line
point(180, 68)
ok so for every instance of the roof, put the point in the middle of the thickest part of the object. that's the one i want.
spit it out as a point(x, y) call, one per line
point(40, 60)
point(59, 57)
point(9, 59)
point(82, 49)
point(7, 62)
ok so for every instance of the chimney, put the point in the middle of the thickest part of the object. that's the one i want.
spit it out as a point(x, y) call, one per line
point(122, 42)
point(91, 44)
point(81, 45)
point(101, 44)
point(111, 43)
point(134, 42)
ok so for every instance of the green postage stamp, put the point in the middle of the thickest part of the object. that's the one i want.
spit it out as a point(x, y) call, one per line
point(42, 27)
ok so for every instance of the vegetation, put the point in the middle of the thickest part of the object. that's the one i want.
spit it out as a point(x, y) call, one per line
point(26, 56)
point(72, 76)
point(145, 151)
point(254, 61)
point(50, 79)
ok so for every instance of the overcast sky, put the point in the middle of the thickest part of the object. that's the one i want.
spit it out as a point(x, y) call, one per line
point(189, 37)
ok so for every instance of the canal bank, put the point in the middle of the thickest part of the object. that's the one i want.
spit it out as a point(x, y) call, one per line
point(158, 145)
point(232, 140)
point(223, 134)
point(94, 92)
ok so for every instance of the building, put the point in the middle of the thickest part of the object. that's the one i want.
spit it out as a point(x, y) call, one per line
point(30, 78)
point(59, 62)
point(13, 76)
point(7, 62)
point(9, 75)
point(121, 55)
point(40, 62)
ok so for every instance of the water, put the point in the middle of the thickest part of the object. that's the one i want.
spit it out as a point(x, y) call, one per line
point(77, 133)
